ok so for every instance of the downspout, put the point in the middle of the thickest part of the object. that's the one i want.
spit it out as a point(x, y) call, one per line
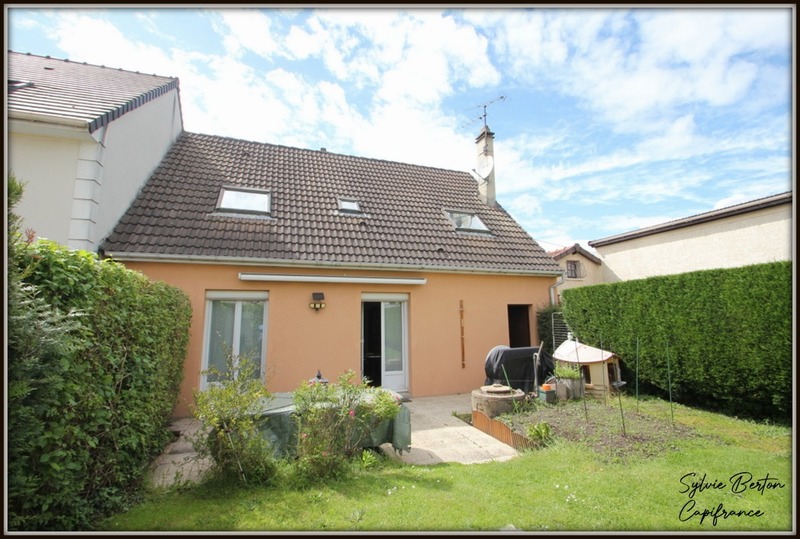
point(553, 287)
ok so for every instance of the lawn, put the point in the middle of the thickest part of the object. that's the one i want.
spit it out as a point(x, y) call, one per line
point(701, 472)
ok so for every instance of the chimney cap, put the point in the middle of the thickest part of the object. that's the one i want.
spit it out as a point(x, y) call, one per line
point(485, 132)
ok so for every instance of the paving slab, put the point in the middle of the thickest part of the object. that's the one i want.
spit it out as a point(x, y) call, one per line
point(180, 463)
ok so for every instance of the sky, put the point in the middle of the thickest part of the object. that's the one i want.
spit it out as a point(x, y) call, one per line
point(605, 120)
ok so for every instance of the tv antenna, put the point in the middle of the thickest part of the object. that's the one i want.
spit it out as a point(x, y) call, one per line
point(484, 106)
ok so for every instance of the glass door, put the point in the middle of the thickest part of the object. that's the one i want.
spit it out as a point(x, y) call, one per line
point(393, 345)
point(384, 340)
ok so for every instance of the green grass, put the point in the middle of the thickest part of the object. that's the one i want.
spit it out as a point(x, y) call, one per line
point(567, 486)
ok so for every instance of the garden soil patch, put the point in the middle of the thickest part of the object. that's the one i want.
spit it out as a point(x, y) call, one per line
point(600, 425)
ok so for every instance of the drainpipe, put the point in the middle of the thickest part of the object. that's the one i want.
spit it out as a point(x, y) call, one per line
point(560, 281)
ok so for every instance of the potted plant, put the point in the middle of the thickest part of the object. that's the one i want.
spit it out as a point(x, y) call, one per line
point(571, 378)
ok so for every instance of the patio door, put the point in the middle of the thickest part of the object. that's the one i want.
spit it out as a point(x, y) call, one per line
point(384, 340)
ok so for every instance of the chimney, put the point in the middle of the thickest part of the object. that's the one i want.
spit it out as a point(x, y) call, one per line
point(485, 171)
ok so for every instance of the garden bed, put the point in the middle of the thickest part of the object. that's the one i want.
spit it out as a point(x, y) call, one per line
point(599, 425)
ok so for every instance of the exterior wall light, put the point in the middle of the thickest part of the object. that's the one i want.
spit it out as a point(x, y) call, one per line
point(318, 379)
point(317, 301)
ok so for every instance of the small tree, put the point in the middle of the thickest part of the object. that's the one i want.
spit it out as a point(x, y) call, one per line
point(232, 434)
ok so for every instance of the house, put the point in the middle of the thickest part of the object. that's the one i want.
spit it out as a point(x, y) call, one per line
point(309, 260)
point(599, 368)
point(580, 267)
point(84, 139)
point(754, 232)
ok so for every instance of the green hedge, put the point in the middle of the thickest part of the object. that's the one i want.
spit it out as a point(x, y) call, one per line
point(90, 410)
point(726, 335)
point(544, 326)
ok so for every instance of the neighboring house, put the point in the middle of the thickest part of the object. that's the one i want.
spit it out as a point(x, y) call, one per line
point(83, 139)
point(315, 261)
point(581, 268)
point(754, 232)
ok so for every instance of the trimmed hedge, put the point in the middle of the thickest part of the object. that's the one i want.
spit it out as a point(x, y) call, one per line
point(726, 334)
point(90, 412)
point(544, 326)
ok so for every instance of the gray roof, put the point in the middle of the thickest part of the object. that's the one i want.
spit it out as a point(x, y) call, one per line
point(403, 224)
point(40, 86)
point(730, 211)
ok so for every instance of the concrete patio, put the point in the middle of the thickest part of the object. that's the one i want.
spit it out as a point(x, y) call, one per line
point(437, 436)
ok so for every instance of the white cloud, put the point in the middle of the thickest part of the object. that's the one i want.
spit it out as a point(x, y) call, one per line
point(635, 68)
point(525, 206)
point(678, 141)
point(247, 30)
point(116, 50)
point(300, 44)
point(415, 135)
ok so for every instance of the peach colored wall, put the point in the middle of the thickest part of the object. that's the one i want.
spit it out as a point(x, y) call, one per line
point(300, 341)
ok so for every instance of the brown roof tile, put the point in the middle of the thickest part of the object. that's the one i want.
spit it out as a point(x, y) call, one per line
point(403, 225)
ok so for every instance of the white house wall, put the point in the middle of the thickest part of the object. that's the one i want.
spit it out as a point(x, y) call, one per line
point(752, 238)
point(78, 185)
point(593, 275)
point(134, 146)
point(46, 166)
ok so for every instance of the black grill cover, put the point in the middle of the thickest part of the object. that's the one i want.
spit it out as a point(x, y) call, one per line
point(519, 367)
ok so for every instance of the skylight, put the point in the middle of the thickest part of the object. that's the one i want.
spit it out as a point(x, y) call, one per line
point(18, 84)
point(349, 205)
point(467, 222)
point(244, 200)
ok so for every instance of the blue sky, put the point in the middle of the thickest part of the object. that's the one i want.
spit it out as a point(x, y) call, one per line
point(613, 119)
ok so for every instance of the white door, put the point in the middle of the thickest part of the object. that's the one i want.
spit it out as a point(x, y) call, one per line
point(393, 345)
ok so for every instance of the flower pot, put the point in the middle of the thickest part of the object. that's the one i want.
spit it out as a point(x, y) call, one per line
point(570, 388)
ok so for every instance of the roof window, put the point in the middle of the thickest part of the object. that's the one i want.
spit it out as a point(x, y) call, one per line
point(349, 205)
point(467, 222)
point(18, 84)
point(244, 200)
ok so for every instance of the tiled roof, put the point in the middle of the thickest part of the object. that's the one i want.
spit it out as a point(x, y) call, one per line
point(403, 225)
point(571, 250)
point(730, 211)
point(96, 95)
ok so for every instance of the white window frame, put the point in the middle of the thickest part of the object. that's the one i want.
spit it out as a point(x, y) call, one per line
point(403, 299)
point(452, 215)
point(264, 207)
point(238, 296)
point(345, 201)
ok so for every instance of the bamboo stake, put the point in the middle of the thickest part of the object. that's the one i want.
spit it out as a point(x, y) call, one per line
point(669, 385)
point(637, 373)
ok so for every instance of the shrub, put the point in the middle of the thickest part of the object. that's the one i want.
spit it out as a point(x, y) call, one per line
point(232, 432)
point(333, 420)
point(95, 361)
point(44, 474)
